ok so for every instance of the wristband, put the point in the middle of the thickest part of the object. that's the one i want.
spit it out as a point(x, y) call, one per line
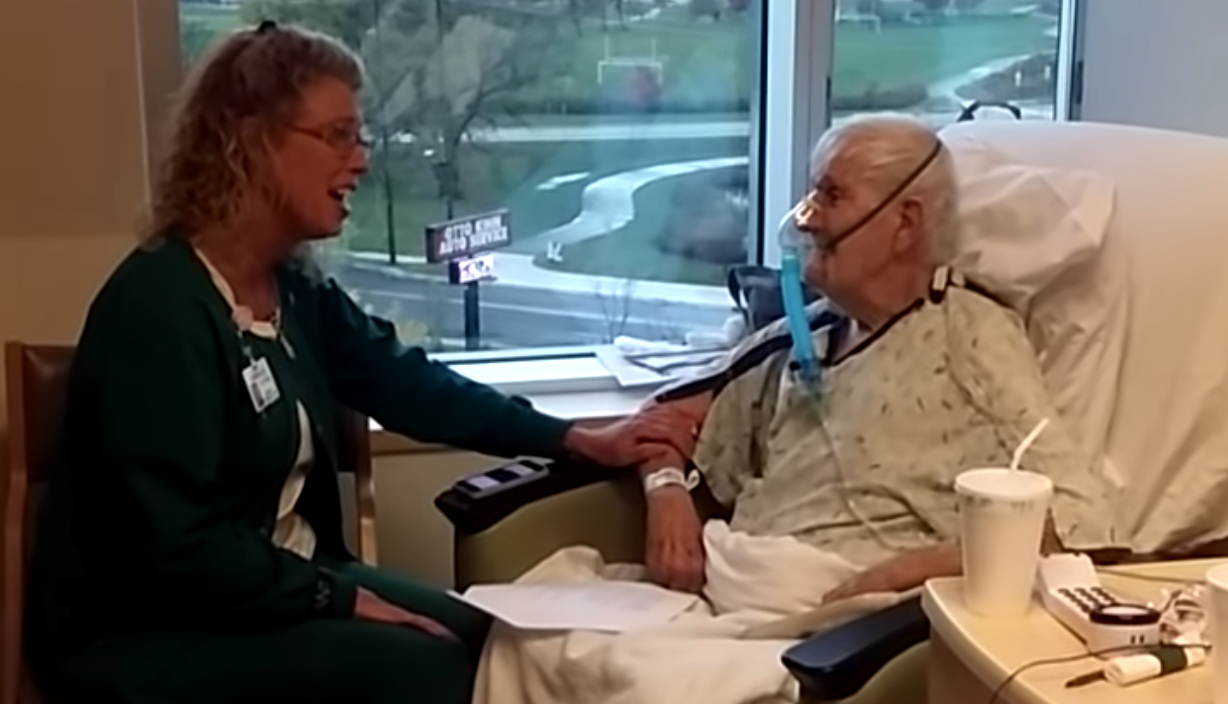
point(670, 476)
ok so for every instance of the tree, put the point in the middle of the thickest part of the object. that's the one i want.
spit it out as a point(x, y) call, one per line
point(347, 20)
point(620, 10)
point(575, 10)
point(195, 37)
point(435, 70)
point(706, 8)
point(870, 7)
point(578, 10)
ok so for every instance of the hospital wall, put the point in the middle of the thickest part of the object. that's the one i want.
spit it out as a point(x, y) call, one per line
point(78, 97)
point(1158, 63)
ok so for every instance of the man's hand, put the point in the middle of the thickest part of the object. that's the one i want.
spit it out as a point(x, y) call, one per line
point(674, 553)
point(900, 573)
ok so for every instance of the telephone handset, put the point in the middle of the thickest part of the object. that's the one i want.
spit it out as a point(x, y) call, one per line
point(1071, 591)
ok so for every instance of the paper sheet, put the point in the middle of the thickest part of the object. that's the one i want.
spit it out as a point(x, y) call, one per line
point(654, 369)
point(613, 607)
point(629, 375)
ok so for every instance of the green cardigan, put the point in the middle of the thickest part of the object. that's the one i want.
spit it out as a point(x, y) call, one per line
point(164, 494)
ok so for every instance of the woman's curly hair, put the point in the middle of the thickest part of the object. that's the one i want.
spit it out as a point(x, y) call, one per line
point(252, 79)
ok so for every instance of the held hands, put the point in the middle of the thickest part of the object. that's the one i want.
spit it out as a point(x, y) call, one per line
point(370, 607)
point(632, 441)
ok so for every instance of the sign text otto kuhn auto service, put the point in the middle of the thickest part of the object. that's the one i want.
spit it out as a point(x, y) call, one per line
point(465, 237)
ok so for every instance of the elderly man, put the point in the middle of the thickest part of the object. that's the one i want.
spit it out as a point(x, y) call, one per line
point(832, 494)
point(924, 376)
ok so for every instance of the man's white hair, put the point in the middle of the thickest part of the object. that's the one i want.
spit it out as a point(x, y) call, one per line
point(885, 150)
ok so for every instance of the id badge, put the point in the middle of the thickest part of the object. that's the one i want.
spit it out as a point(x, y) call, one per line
point(261, 386)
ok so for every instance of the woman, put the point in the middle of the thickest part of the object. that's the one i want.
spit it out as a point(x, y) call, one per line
point(189, 548)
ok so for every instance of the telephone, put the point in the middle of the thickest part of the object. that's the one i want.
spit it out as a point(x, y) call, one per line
point(1071, 591)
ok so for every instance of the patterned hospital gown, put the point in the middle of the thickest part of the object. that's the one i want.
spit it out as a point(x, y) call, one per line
point(951, 385)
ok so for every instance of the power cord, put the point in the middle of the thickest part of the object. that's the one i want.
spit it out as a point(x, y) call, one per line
point(1158, 579)
point(1063, 660)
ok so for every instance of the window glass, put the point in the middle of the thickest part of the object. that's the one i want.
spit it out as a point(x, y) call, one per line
point(615, 133)
point(933, 57)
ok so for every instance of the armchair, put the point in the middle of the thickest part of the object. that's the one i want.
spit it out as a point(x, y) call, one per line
point(1123, 331)
point(875, 659)
point(36, 376)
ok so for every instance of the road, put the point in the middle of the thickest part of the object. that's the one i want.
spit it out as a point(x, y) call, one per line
point(516, 316)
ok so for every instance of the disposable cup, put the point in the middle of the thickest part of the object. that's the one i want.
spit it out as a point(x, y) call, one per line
point(1002, 518)
point(1216, 603)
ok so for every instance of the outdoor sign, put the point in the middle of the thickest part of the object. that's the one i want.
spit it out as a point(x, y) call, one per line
point(462, 238)
point(480, 268)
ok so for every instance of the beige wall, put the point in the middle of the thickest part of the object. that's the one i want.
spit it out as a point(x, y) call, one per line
point(411, 534)
point(73, 161)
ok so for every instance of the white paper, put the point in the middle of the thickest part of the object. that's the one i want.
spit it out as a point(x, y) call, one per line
point(628, 375)
point(634, 369)
point(606, 606)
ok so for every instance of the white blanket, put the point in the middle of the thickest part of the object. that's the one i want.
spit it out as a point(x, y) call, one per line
point(762, 594)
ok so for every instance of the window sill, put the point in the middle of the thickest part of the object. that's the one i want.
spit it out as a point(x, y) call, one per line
point(567, 382)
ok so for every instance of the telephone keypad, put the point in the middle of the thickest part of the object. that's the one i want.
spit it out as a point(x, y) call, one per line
point(1088, 599)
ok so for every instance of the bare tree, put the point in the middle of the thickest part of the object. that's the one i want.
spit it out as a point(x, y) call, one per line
point(436, 69)
point(438, 81)
point(615, 302)
point(935, 6)
point(705, 8)
point(870, 7)
point(620, 9)
point(575, 10)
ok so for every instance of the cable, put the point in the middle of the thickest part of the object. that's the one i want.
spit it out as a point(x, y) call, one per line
point(997, 693)
point(1062, 660)
point(1159, 579)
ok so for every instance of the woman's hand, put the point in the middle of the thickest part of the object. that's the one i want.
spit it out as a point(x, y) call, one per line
point(631, 441)
point(674, 549)
point(370, 607)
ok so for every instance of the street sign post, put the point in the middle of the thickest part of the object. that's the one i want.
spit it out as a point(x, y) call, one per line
point(464, 244)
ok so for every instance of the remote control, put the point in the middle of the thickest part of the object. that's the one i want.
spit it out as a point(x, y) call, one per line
point(1070, 590)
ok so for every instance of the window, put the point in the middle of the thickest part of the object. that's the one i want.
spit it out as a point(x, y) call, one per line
point(933, 57)
point(616, 133)
point(639, 147)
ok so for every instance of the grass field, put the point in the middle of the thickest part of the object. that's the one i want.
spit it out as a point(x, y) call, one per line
point(704, 63)
point(923, 55)
point(711, 62)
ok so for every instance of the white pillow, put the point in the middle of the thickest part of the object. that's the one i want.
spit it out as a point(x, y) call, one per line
point(1022, 227)
point(1040, 239)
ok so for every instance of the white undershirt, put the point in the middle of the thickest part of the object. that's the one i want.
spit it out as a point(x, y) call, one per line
point(292, 532)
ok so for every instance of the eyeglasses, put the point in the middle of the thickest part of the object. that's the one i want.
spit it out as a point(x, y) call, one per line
point(343, 139)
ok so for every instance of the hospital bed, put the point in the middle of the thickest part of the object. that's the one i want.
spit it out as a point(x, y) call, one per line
point(1128, 309)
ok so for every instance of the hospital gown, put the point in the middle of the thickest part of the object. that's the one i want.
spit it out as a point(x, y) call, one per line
point(950, 385)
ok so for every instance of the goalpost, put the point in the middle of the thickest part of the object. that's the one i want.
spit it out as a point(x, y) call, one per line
point(611, 61)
